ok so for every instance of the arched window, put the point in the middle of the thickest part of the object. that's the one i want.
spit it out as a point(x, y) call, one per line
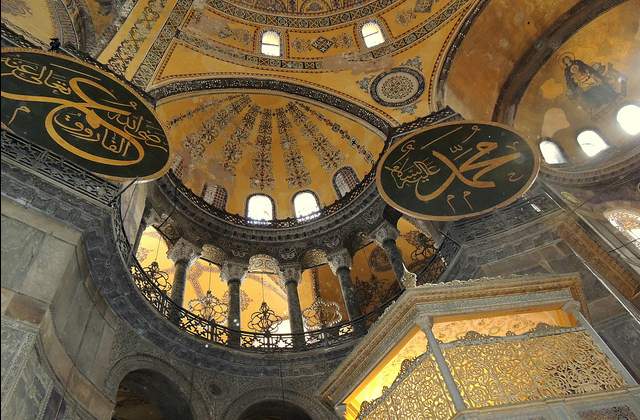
point(372, 34)
point(551, 152)
point(215, 195)
point(260, 207)
point(178, 166)
point(271, 43)
point(627, 222)
point(629, 119)
point(591, 142)
point(305, 203)
point(344, 181)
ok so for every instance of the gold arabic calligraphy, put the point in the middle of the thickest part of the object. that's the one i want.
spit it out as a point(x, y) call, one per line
point(419, 172)
point(117, 126)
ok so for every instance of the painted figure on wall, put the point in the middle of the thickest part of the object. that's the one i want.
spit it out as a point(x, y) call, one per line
point(594, 87)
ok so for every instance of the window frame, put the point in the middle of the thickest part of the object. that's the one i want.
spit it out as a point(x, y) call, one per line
point(558, 148)
point(226, 195)
point(262, 43)
point(599, 133)
point(381, 31)
point(310, 215)
point(335, 184)
point(258, 221)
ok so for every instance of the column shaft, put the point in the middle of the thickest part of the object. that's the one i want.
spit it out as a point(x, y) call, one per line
point(348, 293)
point(179, 281)
point(395, 258)
point(434, 346)
point(139, 233)
point(233, 316)
point(295, 313)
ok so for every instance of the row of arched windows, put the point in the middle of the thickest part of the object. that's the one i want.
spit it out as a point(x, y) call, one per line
point(371, 35)
point(590, 141)
point(305, 203)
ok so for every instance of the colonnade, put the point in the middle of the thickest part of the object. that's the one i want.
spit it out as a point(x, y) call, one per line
point(183, 253)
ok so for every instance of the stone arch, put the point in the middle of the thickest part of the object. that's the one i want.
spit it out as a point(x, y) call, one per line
point(142, 362)
point(312, 406)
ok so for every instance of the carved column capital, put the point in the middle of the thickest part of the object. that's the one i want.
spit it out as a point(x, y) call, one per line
point(184, 250)
point(232, 270)
point(384, 232)
point(291, 273)
point(151, 216)
point(338, 259)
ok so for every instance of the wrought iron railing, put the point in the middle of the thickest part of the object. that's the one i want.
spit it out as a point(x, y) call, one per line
point(37, 159)
point(438, 263)
point(248, 340)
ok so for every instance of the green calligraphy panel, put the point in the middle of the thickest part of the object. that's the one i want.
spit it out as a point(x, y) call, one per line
point(456, 170)
point(82, 113)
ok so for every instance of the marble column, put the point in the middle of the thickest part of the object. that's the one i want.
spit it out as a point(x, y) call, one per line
point(340, 263)
point(426, 325)
point(233, 273)
point(291, 276)
point(385, 235)
point(573, 308)
point(183, 253)
point(149, 217)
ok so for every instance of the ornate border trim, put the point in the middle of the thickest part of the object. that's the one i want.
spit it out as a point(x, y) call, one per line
point(313, 94)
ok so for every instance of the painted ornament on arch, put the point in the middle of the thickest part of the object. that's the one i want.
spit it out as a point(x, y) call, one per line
point(457, 170)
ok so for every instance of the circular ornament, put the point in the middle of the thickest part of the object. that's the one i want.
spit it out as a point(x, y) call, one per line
point(82, 113)
point(397, 87)
point(457, 170)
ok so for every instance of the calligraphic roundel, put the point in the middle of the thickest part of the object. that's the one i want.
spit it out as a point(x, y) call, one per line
point(456, 170)
point(82, 113)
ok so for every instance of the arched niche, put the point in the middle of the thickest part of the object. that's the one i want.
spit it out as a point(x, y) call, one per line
point(148, 394)
point(274, 410)
point(245, 404)
point(175, 385)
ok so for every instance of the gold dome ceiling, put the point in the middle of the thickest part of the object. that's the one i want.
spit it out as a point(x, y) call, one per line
point(167, 42)
point(293, 133)
point(264, 143)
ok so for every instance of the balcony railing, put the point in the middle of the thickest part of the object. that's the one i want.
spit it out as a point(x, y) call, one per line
point(249, 340)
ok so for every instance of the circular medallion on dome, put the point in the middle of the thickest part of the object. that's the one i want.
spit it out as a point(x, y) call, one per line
point(82, 113)
point(457, 170)
point(397, 87)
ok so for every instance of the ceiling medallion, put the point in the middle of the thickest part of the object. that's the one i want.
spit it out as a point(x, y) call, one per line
point(209, 306)
point(397, 87)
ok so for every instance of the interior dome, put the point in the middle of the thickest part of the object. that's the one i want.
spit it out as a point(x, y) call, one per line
point(266, 144)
